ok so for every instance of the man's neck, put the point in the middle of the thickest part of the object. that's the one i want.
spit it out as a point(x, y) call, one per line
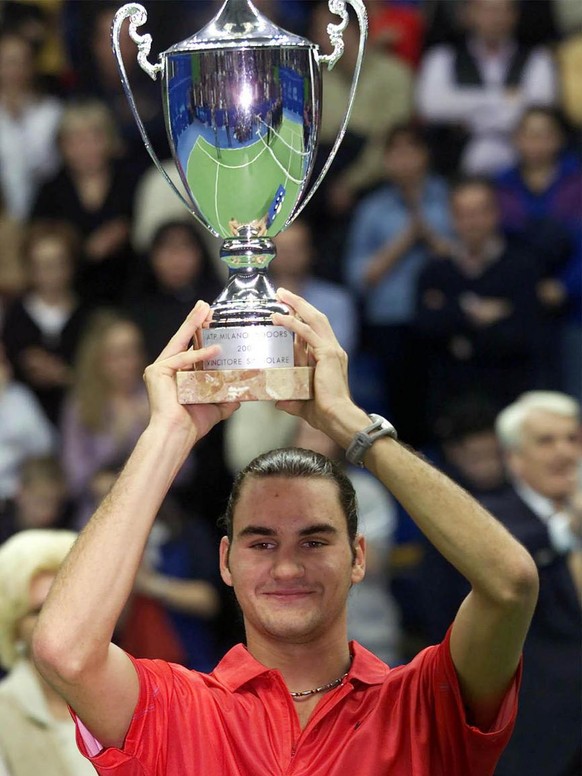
point(537, 501)
point(303, 666)
point(475, 258)
point(492, 47)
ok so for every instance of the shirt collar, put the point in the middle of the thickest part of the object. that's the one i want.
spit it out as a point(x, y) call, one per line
point(238, 667)
point(492, 252)
point(541, 506)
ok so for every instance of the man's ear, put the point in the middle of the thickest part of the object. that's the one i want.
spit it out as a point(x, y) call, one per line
point(359, 564)
point(224, 561)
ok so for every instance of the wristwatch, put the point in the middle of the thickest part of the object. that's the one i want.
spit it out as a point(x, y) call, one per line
point(364, 439)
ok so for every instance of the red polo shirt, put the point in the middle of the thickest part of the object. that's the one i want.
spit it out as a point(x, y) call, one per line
point(240, 721)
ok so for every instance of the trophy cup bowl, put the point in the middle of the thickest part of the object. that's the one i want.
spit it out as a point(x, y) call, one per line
point(242, 106)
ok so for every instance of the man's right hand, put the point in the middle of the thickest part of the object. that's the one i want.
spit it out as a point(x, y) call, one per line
point(332, 409)
point(195, 420)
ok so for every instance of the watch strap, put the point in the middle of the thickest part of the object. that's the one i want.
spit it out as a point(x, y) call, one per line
point(364, 439)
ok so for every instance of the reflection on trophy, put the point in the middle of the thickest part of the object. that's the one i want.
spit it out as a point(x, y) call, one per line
point(242, 104)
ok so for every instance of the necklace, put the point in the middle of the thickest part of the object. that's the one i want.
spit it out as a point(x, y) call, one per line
point(323, 688)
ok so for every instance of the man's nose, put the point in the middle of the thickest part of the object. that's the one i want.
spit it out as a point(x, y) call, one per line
point(287, 565)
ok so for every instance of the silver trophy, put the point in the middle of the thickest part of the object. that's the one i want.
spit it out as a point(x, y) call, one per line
point(242, 106)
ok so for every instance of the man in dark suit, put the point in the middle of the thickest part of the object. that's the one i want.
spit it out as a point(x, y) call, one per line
point(540, 435)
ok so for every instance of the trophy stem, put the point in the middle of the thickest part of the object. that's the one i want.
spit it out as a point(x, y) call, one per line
point(248, 299)
point(247, 251)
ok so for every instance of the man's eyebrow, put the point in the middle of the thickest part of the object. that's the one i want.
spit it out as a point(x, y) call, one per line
point(257, 530)
point(318, 528)
point(261, 530)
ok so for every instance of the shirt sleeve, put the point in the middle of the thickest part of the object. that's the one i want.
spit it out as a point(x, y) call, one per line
point(144, 749)
point(458, 740)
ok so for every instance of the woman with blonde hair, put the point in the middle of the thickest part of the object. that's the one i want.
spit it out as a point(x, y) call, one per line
point(94, 190)
point(37, 735)
point(106, 409)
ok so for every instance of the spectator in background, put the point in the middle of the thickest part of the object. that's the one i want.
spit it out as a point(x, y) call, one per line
point(383, 99)
point(477, 309)
point(41, 500)
point(472, 93)
point(177, 584)
point(42, 328)
point(155, 204)
point(540, 436)
point(293, 269)
point(540, 201)
point(180, 272)
point(37, 735)
point(41, 23)
point(175, 600)
point(24, 431)
point(393, 234)
point(107, 408)
point(94, 191)
point(98, 74)
point(540, 196)
point(28, 127)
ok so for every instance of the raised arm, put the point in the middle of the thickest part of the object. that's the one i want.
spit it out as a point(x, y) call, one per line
point(492, 623)
point(72, 642)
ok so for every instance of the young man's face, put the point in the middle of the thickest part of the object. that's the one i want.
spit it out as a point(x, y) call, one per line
point(290, 562)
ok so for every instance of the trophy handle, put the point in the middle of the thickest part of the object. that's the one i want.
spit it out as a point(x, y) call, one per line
point(335, 32)
point(137, 15)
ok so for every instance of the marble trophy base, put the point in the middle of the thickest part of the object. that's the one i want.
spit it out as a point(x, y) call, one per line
point(230, 385)
point(255, 363)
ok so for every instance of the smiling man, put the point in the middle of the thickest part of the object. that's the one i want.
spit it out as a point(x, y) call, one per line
point(298, 698)
point(540, 434)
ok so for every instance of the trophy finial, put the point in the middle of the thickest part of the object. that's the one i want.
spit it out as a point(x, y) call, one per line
point(137, 15)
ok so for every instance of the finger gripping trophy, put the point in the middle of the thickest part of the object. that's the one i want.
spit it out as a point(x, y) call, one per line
point(242, 105)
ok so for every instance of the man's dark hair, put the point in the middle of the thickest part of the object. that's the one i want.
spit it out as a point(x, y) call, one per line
point(465, 416)
point(295, 462)
point(408, 130)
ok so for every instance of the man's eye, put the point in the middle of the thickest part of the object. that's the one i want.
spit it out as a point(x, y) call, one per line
point(314, 544)
point(262, 546)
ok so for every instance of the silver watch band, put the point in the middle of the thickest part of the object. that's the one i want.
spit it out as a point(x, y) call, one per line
point(364, 439)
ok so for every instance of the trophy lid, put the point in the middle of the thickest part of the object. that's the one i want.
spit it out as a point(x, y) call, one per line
point(238, 24)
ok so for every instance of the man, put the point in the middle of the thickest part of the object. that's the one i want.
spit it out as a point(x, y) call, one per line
point(394, 232)
point(299, 698)
point(482, 84)
point(540, 434)
point(477, 309)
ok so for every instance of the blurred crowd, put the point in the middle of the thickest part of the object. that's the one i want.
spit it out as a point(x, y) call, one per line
point(445, 246)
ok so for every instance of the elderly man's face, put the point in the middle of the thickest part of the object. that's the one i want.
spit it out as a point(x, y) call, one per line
point(549, 454)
